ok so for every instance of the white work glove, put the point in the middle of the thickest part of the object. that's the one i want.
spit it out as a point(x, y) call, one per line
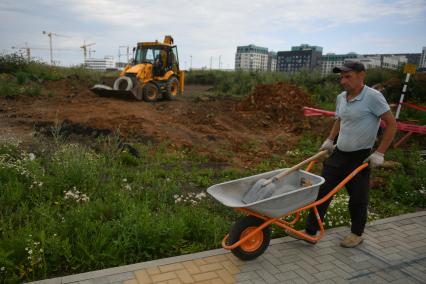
point(327, 145)
point(376, 159)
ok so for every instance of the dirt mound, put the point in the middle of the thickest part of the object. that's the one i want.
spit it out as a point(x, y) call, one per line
point(226, 129)
point(282, 102)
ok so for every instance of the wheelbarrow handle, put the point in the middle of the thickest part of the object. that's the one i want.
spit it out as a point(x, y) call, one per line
point(298, 166)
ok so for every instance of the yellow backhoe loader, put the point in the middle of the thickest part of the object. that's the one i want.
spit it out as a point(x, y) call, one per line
point(154, 73)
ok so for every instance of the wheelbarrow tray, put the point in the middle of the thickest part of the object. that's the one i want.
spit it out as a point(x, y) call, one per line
point(288, 196)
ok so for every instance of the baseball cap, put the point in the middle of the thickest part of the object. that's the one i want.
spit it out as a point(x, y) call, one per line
point(350, 66)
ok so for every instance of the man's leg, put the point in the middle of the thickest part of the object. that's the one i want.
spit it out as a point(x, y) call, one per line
point(358, 202)
point(358, 189)
point(332, 179)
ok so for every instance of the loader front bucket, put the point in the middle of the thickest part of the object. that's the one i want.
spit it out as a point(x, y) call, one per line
point(106, 91)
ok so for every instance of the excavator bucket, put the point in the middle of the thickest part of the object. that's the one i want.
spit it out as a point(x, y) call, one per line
point(106, 91)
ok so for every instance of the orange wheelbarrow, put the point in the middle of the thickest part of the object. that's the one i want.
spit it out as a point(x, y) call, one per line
point(249, 237)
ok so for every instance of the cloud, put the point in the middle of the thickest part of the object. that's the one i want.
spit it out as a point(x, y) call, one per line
point(201, 28)
point(302, 15)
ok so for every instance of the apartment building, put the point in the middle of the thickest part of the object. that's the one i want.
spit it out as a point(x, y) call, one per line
point(272, 61)
point(251, 58)
point(422, 61)
point(331, 60)
point(300, 57)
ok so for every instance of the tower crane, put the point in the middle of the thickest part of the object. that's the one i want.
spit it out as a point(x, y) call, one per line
point(84, 47)
point(28, 49)
point(50, 34)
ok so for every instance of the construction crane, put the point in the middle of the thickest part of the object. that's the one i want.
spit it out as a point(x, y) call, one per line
point(26, 48)
point(90, 52)
point(50, 34)
point(84, 47)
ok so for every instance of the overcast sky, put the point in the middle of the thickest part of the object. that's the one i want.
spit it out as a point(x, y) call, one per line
point(207, 30)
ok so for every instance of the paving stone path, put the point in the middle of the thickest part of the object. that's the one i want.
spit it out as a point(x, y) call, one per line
point(394, 251)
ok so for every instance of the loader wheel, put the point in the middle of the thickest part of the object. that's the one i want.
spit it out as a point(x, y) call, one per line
point(123, 83)
point(172, 88)
point(256, 245)
point(150, 92)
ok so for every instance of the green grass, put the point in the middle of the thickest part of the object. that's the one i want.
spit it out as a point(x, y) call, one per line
point(89, 210)
point(78, 209)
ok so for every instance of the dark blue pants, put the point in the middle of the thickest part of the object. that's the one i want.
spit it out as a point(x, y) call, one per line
point(337, 167)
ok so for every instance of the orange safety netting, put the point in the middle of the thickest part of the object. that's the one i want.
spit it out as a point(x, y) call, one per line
point(308, 111)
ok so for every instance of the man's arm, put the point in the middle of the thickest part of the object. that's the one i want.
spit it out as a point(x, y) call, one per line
point(334, 130)
point(389, 132)
point(328, 143)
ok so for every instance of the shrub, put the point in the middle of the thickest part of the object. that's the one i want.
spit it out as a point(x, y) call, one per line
point(32, 90)
point(11, 63)
point(9, 89)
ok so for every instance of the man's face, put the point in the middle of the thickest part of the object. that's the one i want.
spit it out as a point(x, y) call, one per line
point(351, 80)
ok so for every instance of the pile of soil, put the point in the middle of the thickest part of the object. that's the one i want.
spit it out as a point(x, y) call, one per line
point(282, 102)
point(226, 129)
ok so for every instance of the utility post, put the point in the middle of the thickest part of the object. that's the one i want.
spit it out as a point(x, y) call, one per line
point(219, 60)
point(190, 63)
point(408, 69)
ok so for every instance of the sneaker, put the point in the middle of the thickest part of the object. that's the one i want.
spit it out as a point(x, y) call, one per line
point(300, 238)
point(351, 241)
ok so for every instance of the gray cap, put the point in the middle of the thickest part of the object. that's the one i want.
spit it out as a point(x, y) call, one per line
point(350, 66)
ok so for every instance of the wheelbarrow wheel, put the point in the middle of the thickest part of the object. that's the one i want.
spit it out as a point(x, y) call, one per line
point(254, 246)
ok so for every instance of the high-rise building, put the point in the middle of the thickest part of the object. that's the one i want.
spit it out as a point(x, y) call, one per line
point(331, 60)
point(272, 61)
point(422, 62)
point(300, 57)
point(251, 58)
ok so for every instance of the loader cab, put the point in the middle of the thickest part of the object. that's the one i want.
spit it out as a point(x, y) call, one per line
point(162, 57)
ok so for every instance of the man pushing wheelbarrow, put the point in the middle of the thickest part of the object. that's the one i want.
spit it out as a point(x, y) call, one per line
point(268, 198)
point(358, 112)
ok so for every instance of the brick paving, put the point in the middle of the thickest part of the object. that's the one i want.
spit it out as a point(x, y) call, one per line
point(393, 251)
